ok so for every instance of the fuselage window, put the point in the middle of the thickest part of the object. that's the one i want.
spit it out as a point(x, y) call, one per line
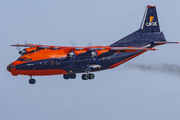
point(51, 62)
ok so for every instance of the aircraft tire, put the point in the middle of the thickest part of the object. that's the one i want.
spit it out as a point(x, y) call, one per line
point(66, 76)
point(32, 81)
point(91, 76)
point(85, 76)
point(72, 76)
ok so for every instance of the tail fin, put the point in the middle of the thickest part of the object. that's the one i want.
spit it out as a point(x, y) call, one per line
point(148, 33)
point(150, 22)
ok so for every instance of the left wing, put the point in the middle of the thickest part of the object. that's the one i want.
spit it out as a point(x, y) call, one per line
point(92, 48)
point(38, 46)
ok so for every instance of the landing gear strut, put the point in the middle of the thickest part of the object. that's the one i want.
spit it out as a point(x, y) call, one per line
point(31, 80)
point(69, 76)
point(88, 76)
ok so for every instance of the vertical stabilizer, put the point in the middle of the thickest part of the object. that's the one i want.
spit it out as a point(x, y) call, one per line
point(150, 22)
point(148, 33)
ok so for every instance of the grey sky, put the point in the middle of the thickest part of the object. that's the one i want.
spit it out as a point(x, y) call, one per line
point(120, 93)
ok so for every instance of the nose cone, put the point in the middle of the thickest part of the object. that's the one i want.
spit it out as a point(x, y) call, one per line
point(9, 68)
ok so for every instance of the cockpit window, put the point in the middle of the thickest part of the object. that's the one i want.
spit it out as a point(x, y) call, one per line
point(24, 60)
point(20, 59)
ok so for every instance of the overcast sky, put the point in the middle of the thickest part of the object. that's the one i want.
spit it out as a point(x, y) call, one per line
point(125, 92)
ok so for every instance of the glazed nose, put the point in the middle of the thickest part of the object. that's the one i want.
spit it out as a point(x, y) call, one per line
point(9, 68)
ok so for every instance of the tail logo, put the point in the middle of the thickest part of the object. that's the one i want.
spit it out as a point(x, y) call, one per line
point(151, 18)
point(151, 23)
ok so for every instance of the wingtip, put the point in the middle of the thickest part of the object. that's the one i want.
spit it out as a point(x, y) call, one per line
point(13, 45)
point(173, 42)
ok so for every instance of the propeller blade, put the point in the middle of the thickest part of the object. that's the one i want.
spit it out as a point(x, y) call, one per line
point(40, 43)
point(25, 42)
point(72, 57)
point(17, 48)
point(89, 44)
point(71, 62)
point(73, 44)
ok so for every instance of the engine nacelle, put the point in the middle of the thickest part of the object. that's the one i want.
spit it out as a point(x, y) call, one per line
point(93, 54)
point(27, 50)
point(71, 54)
point(22, 52)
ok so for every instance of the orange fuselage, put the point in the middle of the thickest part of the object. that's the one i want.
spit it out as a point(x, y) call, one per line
point(30, 59)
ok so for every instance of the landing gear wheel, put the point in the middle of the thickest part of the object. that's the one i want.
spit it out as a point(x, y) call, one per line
point(66, 76)
point(32, 81)
point(91, 76)
point(85, 76)
point(72, 76)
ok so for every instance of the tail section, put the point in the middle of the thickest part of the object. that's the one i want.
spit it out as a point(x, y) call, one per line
point(150, 22)
point(148, 33)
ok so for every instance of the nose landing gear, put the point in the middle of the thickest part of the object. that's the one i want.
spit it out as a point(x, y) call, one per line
point(31, 80)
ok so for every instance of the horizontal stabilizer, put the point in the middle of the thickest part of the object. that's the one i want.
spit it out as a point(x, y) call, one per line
point(161, 42)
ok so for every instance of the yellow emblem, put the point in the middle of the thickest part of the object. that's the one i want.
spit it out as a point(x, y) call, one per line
point(151, 18)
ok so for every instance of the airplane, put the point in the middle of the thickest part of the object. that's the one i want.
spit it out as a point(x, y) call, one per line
point(41, 60)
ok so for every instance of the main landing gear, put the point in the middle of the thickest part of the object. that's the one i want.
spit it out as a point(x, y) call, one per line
point(87, 70)
point(88, 76)
point(31, 80)
point(69, 76)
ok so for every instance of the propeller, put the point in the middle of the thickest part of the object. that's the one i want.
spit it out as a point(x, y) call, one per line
point(25, 42)
point(94, 56)
point(71, 56)
point(18, 48)
point(22, 52)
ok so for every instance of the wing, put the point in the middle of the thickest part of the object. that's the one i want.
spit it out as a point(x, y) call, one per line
point(41, 46)
point(92, 48)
